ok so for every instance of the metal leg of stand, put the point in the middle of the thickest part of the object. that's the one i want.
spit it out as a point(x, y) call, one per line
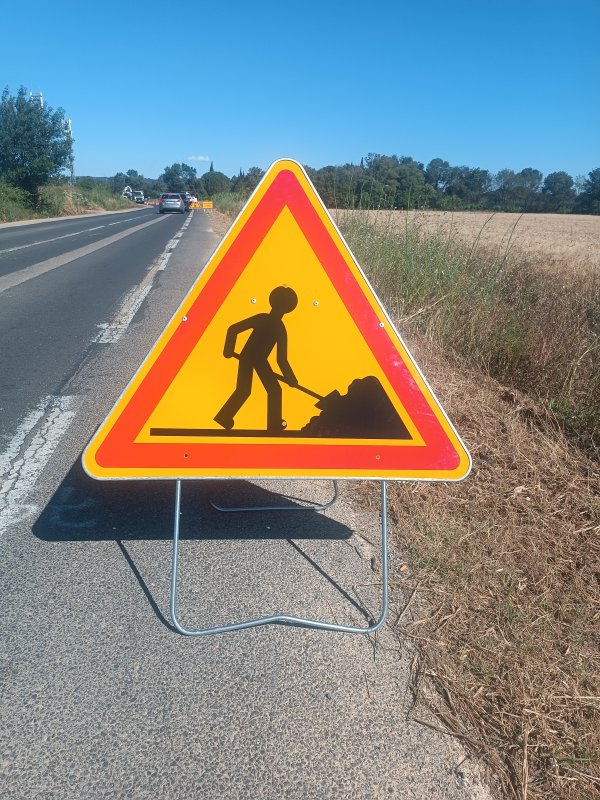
point(309, 507)
point(282, 618)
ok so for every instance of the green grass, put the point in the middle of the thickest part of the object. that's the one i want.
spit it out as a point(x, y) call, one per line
point(229, 203)
point(14, 204)
point(56, 201)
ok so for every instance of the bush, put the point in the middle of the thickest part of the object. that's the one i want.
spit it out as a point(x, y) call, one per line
point(100, 196)
point(230, 203)
point(15, 204)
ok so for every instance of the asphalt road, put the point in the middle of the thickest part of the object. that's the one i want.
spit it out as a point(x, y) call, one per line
point(25, 244)
point(100, 696)
point(50, 321)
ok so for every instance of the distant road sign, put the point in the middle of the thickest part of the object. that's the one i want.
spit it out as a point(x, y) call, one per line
point(207, 204)
point(280, 362)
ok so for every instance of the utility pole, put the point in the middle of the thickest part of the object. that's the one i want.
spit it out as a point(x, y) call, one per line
point(37, 97)
point(69, 133)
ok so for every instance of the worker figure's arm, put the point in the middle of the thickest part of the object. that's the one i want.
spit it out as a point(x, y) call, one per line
point(232, 332)
point(282, 360)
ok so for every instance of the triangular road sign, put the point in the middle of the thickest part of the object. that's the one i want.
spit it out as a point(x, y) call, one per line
point(280, 362)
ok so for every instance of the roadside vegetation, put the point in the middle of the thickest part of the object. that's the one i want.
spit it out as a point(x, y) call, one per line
point(534, 330)
point(497, 579)
point(229, 203)
point(56, 201)
point(507, 564)
point(36, 154)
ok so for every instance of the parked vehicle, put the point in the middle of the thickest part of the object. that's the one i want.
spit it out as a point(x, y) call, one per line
point(187, 199)
point(138, 196)
point(171, 201)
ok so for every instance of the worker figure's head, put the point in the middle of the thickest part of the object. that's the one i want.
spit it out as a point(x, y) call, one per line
point(283, 300)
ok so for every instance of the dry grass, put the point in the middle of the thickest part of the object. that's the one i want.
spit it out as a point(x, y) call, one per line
point(507, 568)
point(501, 579)
point(556, 242)
point(525, 324)
point(219, 221)
point(507, 564)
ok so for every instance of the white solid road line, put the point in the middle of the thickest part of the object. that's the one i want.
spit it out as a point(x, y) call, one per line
point(16, 278)
point(27, 454)
point(112, 331)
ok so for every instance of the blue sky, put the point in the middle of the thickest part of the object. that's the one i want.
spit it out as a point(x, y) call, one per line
point(484, 83)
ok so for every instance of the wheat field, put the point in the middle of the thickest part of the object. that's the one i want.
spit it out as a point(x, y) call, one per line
point(553, 241)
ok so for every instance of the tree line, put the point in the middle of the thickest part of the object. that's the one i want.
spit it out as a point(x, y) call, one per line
point(36, 147)
point(174, 178)
point(400, 182)
point(382, 181)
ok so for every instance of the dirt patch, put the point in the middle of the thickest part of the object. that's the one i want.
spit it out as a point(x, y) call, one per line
point(220, 222)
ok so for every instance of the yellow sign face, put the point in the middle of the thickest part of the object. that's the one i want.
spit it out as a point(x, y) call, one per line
point(280, 362)
point(207, 204)
point(325, 349)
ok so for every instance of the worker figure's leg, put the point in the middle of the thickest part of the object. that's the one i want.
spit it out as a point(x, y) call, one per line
point(271, 384)
point(239, 396)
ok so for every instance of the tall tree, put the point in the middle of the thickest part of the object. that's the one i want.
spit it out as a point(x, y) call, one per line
point(438, 174)
point(516, 191)
point(180, 178)
point(215, 182)
point(118, 182)
point(559, 192)
point(588, 201)
point(246, 182)
point(411, 189)
point(468, 183)
point(35, 141)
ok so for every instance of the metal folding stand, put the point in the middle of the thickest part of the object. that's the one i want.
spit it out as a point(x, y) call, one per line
point(282, 619)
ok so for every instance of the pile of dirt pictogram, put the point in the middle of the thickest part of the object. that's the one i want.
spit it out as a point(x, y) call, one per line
point(364, 412)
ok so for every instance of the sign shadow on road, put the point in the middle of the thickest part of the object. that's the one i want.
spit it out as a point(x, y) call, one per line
point(83, 509)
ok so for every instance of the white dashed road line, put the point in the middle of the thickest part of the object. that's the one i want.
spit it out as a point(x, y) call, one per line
point(16, 278)
point(110, 332)
point(64, 236)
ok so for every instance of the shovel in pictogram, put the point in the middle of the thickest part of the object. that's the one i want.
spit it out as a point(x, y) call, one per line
point(324, 401)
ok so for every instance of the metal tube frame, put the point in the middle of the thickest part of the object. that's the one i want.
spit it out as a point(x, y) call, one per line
point(308, 507)
point(281, 619)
